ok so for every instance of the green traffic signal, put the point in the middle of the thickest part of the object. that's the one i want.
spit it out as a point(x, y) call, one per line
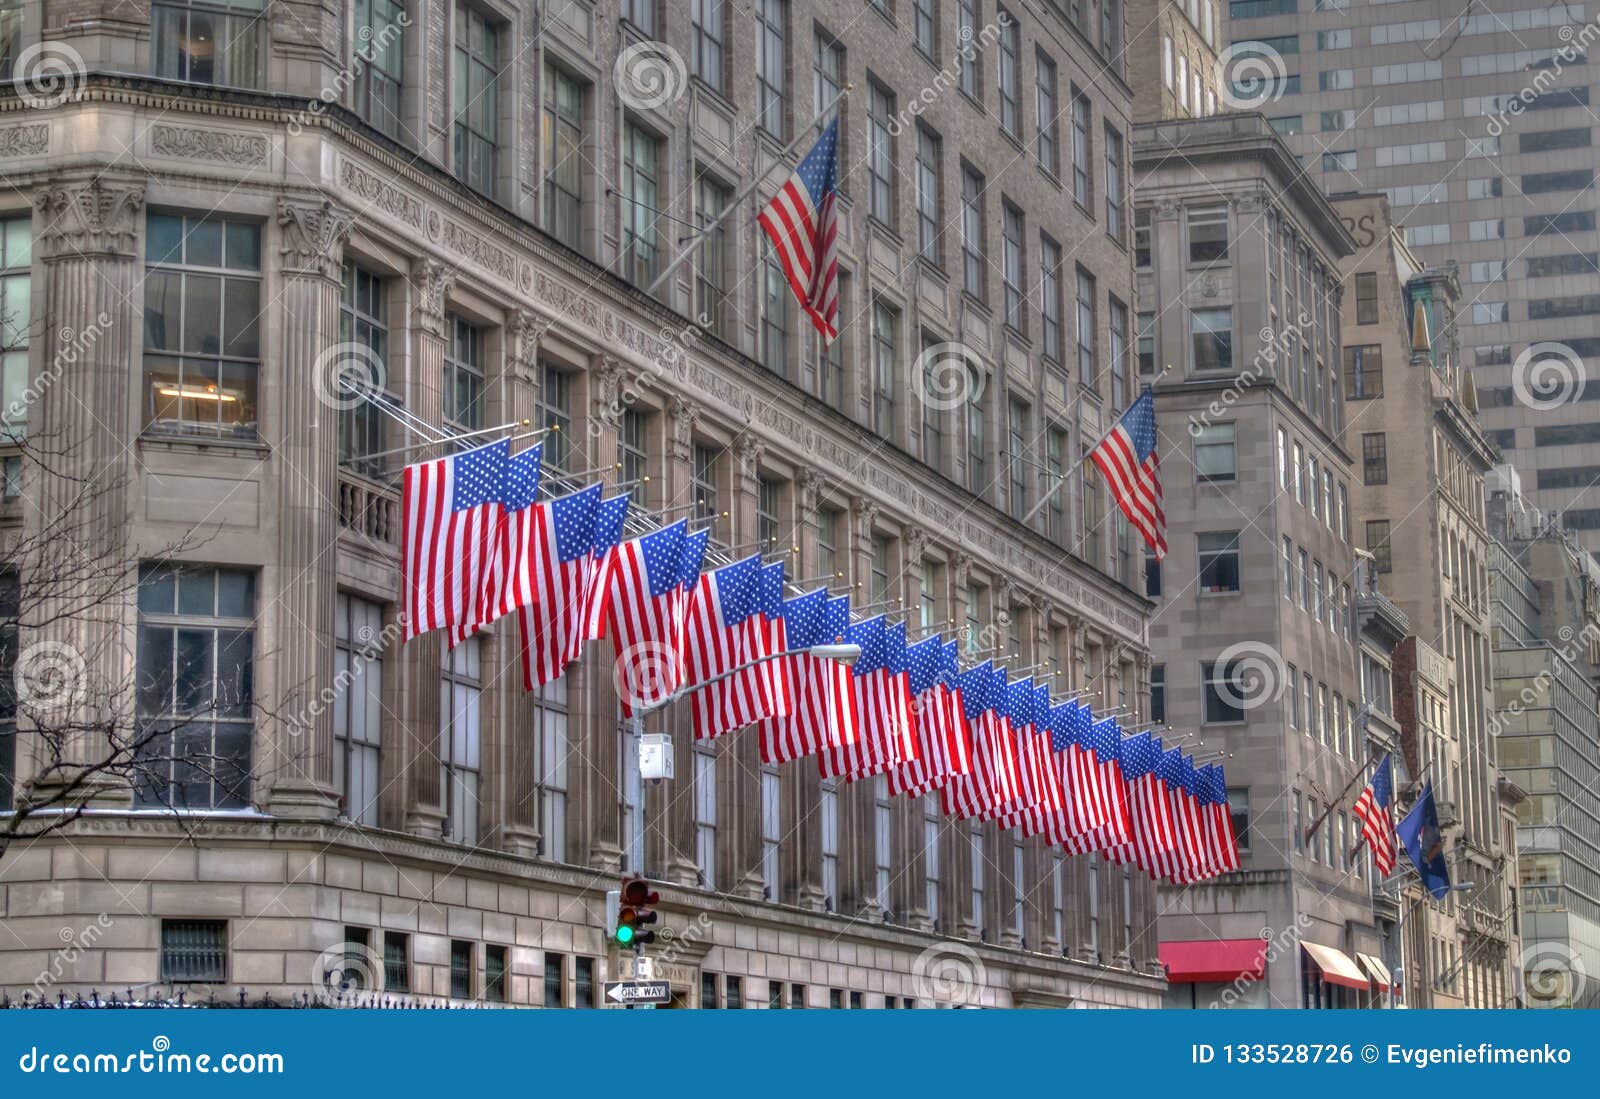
point(624, 934)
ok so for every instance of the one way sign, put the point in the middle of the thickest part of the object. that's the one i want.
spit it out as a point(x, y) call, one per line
point(638, 992)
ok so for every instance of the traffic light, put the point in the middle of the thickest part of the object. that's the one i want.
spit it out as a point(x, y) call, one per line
point(634, 913)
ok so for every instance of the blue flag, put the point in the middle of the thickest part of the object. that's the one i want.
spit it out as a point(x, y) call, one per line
point(1419, 831)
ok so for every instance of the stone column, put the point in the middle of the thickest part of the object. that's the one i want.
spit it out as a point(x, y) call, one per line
point(803, 788)
point(675, 478)
point(519, 832)
point(741, 771)
point(86, 236)
point(311, 244)
point(857, 831)
point(424, 813)
point(601, 729)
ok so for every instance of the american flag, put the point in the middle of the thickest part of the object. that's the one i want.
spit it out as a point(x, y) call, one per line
point(805, 728)
point(941, 749)
point(508, 580)
point(883, 704)
point(608, 524)
point(1085, 809)
point(450, 509)
point(1004, 771)
point(776, 677)
point(1151, 839)
point(1104, 739)
point(645, 617)
point(1189, 805)
point(1377, 819)
point(561, 560)
point(1220, 818)
point(715, 642)
point(991, 785)
point(1041, 797)
point(1132, 468)
point(1185, 860)
point(803, 225)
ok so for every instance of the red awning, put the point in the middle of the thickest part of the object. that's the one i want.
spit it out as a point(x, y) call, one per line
point(1336, 966)
point(1219, 960)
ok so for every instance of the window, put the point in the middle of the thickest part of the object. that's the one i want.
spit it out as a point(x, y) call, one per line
point(641, 197)
point(209, 41)
point(1166, 61)
point(1571, 221)
point(202, 348)
point(771, 61)
point(932, 871)
point(1141, 239)
point(194, 951)
point(1145, 344)
point(1239, 812)
point(828, 522)
point(1208, 234)
point(711, 273)
point(708, 32)
point(1493, 312)
point(561, 143)
point(555, 981)
point(1299, 465)
point(1374, 458)
point(880, 155)
point(1545, 141)
point(477, 104)
point(463, 375)
point(10, 36)
point(460, 969)
point(1048, 146)
point(553, 410)
point(1305, 580)
point(924, 26)
point(1093, 512)
point(1012, 274)
point(1018, 462)
point(977, 437)
point(1335, 121)
point(1288, 125)
point(1366, 298)
point(979, 873)
point(703, 483)
point(1080, 148)
point(1114, 196)
point(460, 733)
point(1218, 556)
point(929, 201)
point(358, 706)
point(771, 830)
point(550, 730)
point(827, 80)
point(828, 812)
point(1050, 321)
point(1339, 161)
point(882, 840)
point(1336, 80)
point(1087, 368)
point(1010, 43)
point(973, 265)
point(1211, 331)
point(885, 368)
point(1214, 454)
point(1121, 386)
point(494, 974)
point(970, 74)
point(377, 68)
point(1158, 693)
point(642, 14)
point(774, 314)
point(16, 266)
point(932, 414)
point(1363, 372)
point(1225, 691)
point(1055, 468)
point(1378, 544)
point(396, 961)
point(705, 813)
point(195, 687)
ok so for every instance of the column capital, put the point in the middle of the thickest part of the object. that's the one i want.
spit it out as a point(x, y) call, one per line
point(749, 448)
point(915, 541)
point(96, 218)
point(609, 375)
point(684, 415)
point(431, 280)
point(811, 484)
point(527, 329)
point(314, 237)
point(961, 569)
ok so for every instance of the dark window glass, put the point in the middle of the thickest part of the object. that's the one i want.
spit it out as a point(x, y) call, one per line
point(194, 951)
point(460, 969)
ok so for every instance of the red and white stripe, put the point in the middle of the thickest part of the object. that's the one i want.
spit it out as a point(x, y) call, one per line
point(886, 737)
point(552, 622)
point(944, 744)
point(1136, 486)
point(445, 554)
point(805, 240)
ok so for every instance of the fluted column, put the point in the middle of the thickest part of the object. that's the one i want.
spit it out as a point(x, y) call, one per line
point(857, 830)
point(673, 483)
point(311, 245)
point(424, 813)
point(76, 577)
point(742, 758)
point(803, 851)
point(601, 733)
point(520, 822)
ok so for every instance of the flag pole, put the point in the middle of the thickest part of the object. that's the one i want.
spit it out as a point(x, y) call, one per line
point(744, 192)
point(1061, 477)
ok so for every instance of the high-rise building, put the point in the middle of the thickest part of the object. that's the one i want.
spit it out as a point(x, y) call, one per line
point(212, 217)
point(1254, 633)
point(1179, 40)
point(1546, 605)
point(1477, 125)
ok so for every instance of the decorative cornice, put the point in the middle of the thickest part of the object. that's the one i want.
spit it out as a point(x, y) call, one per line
point(314, 237)
point(222, 146)
point(93, 219)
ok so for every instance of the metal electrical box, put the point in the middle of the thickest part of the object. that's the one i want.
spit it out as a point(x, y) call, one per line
point(655, 756)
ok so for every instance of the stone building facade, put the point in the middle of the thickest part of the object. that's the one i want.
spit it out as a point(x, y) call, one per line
point(473, 206)
point(1175, 52)
point(1254, 635)
point(1412, 418)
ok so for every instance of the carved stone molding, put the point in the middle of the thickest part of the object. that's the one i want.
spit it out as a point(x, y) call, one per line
point(866, 513)
point(527, 329)
point(609, 375)
point(96, 218)
point(314, 237)
point(812, 484)
point(29, 140)
point(914, 540)
point(961, 570)
point(432, 281)
point(221, 146)
point(749, 448)
point(684, 416)
point(1166, 210)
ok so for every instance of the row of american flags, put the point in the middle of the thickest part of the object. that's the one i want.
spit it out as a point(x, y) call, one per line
point(733, 640)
